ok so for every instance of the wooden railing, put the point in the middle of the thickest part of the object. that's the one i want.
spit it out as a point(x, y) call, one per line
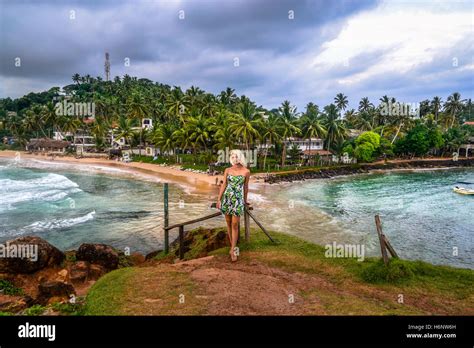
point(247, 216)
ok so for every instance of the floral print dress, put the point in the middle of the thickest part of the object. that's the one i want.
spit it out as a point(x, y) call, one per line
point(232, 201)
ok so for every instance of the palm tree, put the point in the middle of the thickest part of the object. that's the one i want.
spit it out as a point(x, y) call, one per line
point(334, 127)
point(164, 137)
point(137, 109)
point(228, 97)
point(453, 105)
point(99, 130)
point(271, 130)
point(436, 105)
point(341, 102)
point(199, 129)
point(288, 123)
point(247, 122)
point(76, 78)
point(124, 130)
point(365, 105)
point(312, 127)
point(223, 136)
point(175, 103)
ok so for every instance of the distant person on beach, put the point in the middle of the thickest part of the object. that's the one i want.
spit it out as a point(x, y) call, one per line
point(233, 197)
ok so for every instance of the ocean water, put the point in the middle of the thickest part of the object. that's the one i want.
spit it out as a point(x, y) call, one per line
point(69, 205)
point(423, 218)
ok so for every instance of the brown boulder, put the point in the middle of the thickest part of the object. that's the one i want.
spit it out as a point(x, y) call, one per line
point(137, 258)
point(54, 288)
point(96, 271)
point(79, 271)
point(14, 303)
point(43, 255)
point(152, 254)
point(100, 254)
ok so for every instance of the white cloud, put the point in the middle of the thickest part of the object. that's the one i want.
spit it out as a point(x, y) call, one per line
point(411, 35)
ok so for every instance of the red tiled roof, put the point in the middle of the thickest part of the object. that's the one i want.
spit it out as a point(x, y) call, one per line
point(469, 123)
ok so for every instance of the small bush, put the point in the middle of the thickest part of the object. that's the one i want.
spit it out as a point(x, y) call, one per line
point(35, 310)
point(395, 271)
point(8, 288)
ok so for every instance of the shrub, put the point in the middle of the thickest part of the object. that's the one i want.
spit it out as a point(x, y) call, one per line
point(364, 152)
point(8, 288)
point(395, 271)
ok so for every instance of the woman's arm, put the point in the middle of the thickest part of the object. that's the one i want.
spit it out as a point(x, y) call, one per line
point(221, 190)
point(246, 186)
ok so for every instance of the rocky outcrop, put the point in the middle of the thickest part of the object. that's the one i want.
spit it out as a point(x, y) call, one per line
point(100, 254)
point(41, 254)
point(207, 239)
point(14, 303)
point(54, 289)
point(82, 271)
point(331, 172)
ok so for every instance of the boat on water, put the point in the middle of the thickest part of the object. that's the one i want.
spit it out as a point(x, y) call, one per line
point(463, 191)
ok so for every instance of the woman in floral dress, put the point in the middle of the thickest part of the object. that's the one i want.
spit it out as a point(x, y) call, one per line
point(233, 197)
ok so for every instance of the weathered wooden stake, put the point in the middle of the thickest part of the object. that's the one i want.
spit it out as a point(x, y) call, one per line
point(259, 225)
point(381, 239)
point(166, 214)
point(247, 225)
point(181, 241)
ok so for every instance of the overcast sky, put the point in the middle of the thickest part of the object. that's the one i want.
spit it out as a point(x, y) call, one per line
point(297, 50)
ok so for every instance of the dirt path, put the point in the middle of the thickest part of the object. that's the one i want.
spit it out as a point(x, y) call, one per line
point(214, 286)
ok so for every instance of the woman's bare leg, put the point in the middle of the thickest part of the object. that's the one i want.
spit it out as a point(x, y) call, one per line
point(228, 220)
point(235, 235)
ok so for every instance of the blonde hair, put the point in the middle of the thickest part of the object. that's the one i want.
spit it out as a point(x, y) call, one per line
point(240, 158)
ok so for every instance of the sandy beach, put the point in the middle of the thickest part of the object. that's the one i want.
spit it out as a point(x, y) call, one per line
point(194, 183)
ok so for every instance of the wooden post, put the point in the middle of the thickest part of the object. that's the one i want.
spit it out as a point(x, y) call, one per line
point(389, 246)
point(381, 239)
point(181, 240)
point(166, 216)
point(247, 225)
point(260, 225)
point(238, 229)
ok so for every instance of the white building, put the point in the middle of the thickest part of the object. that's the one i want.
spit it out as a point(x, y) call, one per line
point(304, 144)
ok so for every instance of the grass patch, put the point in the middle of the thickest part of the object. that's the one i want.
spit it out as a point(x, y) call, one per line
point(68, 308)
point(35, 310)
point(105, 296)
point(8, 288)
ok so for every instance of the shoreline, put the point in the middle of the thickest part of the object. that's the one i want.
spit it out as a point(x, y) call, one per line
point(193, 183)
point(368, 168)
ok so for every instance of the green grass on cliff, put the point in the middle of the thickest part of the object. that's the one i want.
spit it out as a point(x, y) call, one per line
point(428, 288)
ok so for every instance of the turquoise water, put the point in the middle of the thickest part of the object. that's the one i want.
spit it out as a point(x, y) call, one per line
point(423, 218)
point(69, 205)
point(73, 204)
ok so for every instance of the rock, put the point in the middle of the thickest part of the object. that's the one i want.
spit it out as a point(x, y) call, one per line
point(100, 254)
point(152, 255)
point(54, 288)
point(42, 255)
point(137, 258)
point(96, 271)
point(14, 303)
point(62, 275)
point(79, 271)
